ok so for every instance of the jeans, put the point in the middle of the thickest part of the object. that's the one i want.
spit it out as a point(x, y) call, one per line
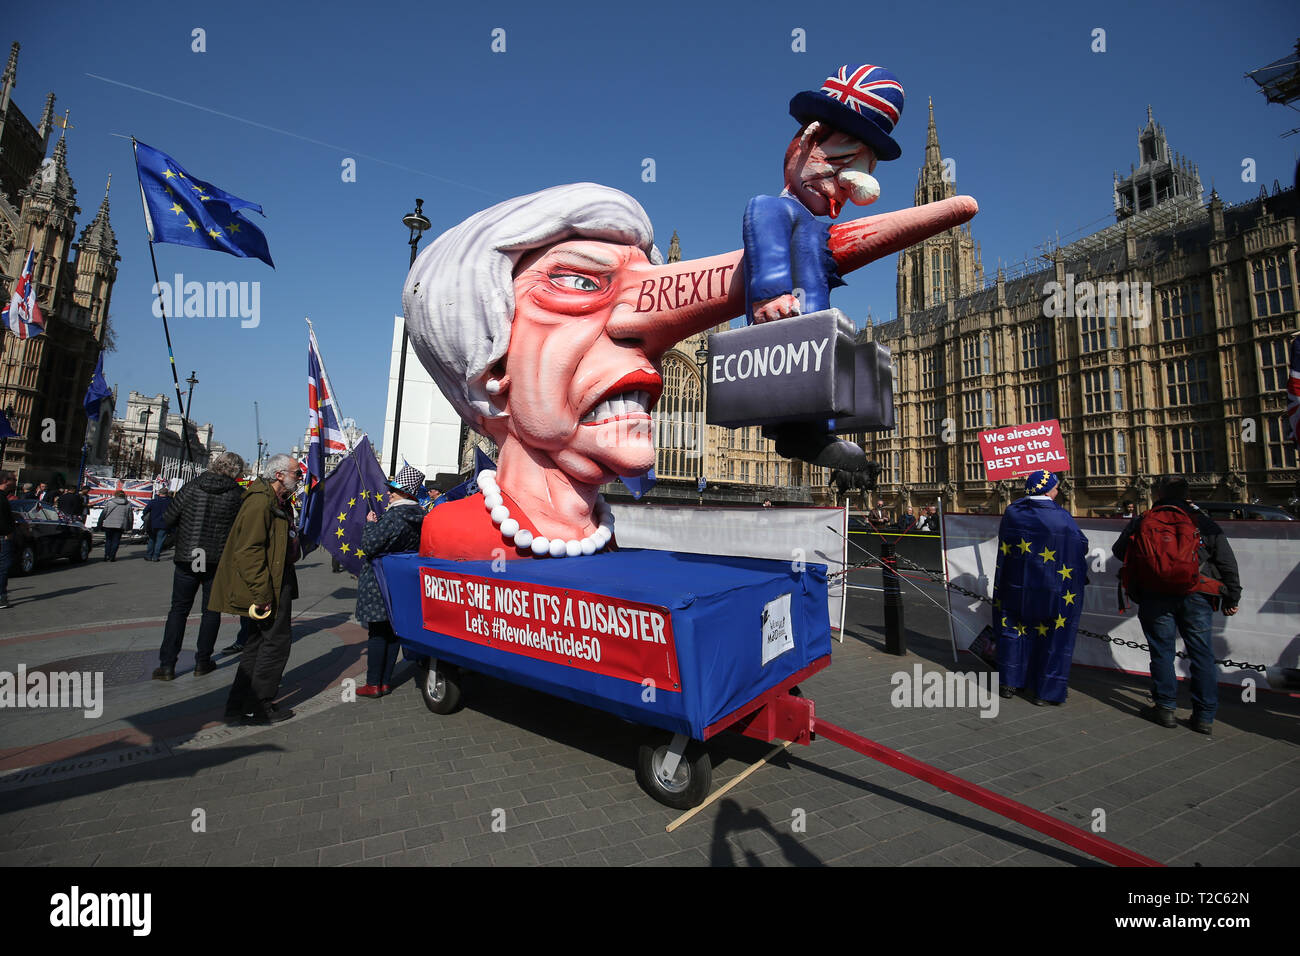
point(381, 653)
point(6, 556)
point(1163, 620)
point(155, 548)
point(185, 585)
point(112, 538)
point(262, 664)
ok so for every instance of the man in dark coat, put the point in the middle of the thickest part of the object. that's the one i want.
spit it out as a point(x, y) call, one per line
point(1038, 593)
point(155, 524)
point(397, 530)
point(6, 535)
point(202, 513)
point(256, 580)
point(71, 503)
point(1165, 616)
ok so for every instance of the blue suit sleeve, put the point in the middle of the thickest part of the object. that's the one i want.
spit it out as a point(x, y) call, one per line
point(768, 230)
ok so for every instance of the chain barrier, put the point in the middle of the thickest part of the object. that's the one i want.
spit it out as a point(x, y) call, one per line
point(934, 579)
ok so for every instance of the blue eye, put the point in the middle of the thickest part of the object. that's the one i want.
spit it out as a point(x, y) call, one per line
point(580, 283)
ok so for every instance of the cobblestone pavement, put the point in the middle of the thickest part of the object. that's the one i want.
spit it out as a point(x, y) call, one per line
point(519, 778)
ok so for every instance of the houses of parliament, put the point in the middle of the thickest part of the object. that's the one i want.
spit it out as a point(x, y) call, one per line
point(1189, 378)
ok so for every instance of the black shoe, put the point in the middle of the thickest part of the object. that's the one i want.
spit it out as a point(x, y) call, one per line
point(235, 648)
point(164, 673)
point(4, 604)
point(1006, 693)
point(204, 667)
point(236, 716)
point(1201, 726)
point(268, 714)
point(818, 448)
point(1039, 702)
point(1159, 715)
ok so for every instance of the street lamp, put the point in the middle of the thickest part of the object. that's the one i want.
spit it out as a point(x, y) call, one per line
point(702, 360)
point(144, 439)
point(189, 406)
point(417, 223)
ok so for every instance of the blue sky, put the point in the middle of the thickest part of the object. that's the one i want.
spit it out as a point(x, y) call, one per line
point(1035, 120)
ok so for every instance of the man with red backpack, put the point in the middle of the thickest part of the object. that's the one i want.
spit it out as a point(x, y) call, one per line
point(1179, 568)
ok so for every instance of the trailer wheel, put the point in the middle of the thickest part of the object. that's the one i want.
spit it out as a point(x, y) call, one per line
point(688, 786)
point(440, 687)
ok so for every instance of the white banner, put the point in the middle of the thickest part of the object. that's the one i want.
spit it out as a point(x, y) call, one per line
point(1265, 631)
point(811, 535)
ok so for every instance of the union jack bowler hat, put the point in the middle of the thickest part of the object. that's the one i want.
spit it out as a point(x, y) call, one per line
point(863, 101)
point(409, 481)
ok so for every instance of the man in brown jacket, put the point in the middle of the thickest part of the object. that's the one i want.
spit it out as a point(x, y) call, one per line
point(255, 579)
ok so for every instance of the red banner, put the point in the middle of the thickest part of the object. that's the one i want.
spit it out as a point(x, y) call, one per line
point(1009, 452)
point(592, 632)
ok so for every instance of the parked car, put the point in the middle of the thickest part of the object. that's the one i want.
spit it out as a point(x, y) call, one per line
point(42, 534)
point(1237, 511)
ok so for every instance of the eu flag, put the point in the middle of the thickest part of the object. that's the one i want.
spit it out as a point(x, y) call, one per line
point(97, 392)
point(336, 509)
point(1038, 593)
point(184, 209)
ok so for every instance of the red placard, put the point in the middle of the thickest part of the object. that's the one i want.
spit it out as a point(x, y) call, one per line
point(592, 632)
point(1023, 448)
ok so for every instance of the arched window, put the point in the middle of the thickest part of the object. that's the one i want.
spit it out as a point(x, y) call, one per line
point(677, 421)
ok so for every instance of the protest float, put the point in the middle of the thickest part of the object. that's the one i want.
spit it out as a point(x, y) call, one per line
point(543, 320)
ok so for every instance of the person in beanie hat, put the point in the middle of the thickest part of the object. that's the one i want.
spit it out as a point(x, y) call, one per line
point(1038, 593)
point(845, 128)
point(398, 529)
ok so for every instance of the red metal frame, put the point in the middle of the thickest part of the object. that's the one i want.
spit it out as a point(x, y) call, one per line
point(778, 715)
point(774, 712)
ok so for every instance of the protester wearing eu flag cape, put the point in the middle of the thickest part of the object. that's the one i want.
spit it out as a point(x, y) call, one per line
point(1038, 593)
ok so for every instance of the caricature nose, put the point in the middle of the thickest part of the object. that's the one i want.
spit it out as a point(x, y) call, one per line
point(674, 301)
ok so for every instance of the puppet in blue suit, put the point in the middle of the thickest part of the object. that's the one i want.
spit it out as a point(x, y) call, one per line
point(1038, 593)
point(789, 270)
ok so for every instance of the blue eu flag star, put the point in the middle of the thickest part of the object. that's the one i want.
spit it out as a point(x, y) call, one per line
point(186, 210)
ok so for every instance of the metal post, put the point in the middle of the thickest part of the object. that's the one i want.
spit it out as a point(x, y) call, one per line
point(417, 223)
point(895, 638)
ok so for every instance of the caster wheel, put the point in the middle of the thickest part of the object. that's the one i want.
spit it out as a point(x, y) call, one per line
point(439, 685)
point(687, 787)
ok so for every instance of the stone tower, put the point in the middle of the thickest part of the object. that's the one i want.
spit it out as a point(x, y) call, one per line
point(1161, 176)
point(946, 265)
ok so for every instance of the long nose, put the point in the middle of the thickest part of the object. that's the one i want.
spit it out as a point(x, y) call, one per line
point(675, 301)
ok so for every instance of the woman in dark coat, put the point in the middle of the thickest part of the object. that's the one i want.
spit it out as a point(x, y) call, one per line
point(398, 529)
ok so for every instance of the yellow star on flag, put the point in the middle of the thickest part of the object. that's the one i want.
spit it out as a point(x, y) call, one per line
point(1048, 555)
point(1060, 622)
point(233, 227)
point(1005, 548)
point(1069, 597)
point(360, 553)
point(342, 516)
point(176, 208)
point(169, 174)
point(1064, 573)
point(364, 494)
point(1041, 628)
point(339, 533)
point(1020, 629)
point(193, 226)
point(351, 502)
point(345, 549)
point(214, 233)
point(1024, 546)
point(1004, 621)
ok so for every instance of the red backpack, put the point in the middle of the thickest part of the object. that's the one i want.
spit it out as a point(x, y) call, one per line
point(1163, 556)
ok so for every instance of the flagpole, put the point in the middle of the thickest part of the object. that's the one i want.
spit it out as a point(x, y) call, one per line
point(157, 285)
point(338, 414)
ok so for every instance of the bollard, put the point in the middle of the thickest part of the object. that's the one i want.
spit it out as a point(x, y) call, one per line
point(895, 641)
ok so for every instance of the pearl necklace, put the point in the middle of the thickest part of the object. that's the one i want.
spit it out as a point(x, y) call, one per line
point(523, 538)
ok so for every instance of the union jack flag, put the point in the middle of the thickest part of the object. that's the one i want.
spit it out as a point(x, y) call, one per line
point(1293, 391)
point(867, 87)
point(23, 315)
point(326, 435)
point(137, 491)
